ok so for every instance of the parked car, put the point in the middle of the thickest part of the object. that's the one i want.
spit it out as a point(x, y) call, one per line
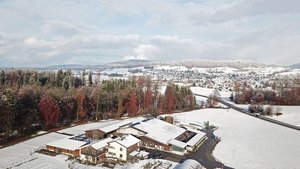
point(155, 155)
point(256, 114)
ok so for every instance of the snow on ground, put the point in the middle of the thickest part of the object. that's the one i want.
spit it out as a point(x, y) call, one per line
point(177, 68)
point(290, 114)
point(142, 163)
point(20, 154)
point(207, 92)
point(248, 142)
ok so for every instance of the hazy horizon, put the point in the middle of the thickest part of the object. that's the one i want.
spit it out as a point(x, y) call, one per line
point(36, 33)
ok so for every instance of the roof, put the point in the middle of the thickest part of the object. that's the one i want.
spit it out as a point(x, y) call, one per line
point(159, 130)
point(127, 140)
point(189, 164)
point(134, 153)
point(192, 142)
point(116, 126)
point(102, 143)
point(196, 138)
point(139, 153)
point(68, 144)
point(177, 143)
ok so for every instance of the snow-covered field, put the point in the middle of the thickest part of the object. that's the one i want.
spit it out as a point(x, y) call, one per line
point(248, 142)
point(207, 92)
point(21, 156)
point(290, 114)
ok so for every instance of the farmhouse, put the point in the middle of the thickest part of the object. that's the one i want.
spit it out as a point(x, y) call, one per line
point(66, 146)
point(124, 138)
point(161, 135)
point(120, 148)
point(95, 152)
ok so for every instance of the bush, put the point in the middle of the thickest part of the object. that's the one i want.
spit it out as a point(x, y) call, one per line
point(268, 111)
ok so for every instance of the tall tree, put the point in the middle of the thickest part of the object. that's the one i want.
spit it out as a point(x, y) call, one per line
point(169, 98)
point(50, 109)
point(133, 107)
point(90, 78)
point(7, 105)
point(27, 111)
point(68, 109)
point(148, 98)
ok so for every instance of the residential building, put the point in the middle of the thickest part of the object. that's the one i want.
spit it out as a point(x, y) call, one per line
point(95, 152)
point(120, 148)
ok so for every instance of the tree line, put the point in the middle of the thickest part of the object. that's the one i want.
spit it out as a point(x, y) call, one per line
point(280, 93)
point(31, 100)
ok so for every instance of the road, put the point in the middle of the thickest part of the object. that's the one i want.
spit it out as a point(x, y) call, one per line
point(204, 154)
point(253, 115)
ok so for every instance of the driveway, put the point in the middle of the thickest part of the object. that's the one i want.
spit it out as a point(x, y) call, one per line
point(204, 154)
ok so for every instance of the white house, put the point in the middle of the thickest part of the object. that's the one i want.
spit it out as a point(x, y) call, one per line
point(120, 148)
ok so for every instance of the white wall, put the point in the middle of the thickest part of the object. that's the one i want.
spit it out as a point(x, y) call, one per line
point(116, 150)
point(129, 130)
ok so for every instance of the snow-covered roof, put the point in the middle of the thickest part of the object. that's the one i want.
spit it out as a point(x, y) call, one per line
point(177, 143)
point(159, 130)
point(68, 144)
point(196, 138)
point(134, 153)
point(143, 153)
point(116, 126)
point(192, 142)
point(127, 140)
point(102, 143)
point(189, 164)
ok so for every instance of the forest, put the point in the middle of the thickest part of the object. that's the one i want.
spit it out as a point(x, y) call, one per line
point(32, 100)
point(281, 92)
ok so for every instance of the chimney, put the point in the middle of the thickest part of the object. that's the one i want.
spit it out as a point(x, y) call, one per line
point(169, 119)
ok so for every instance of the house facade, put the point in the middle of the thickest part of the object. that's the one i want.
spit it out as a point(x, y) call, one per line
point(120, 148)
point(94, 134)
point(95, 152)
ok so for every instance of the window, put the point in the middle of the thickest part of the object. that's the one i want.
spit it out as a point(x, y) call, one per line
point(121, 155)
point(111, 153)
point(121, 149)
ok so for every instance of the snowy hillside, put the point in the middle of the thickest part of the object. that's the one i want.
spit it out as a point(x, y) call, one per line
point(248, 142)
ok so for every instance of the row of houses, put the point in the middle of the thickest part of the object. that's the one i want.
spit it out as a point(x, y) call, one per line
point(123, 140)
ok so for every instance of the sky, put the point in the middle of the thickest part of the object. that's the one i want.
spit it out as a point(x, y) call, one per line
point(54, 32)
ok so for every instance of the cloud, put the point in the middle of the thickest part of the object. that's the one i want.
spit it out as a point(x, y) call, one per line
point(144, 51)
point(59, 28)
point(41, 32)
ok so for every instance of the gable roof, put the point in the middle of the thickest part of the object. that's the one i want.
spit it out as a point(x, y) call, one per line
point(127, 140)
point(192, 142)
point(116, 126)
point(159, 130)
point(102, 143)
point(68, 144)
